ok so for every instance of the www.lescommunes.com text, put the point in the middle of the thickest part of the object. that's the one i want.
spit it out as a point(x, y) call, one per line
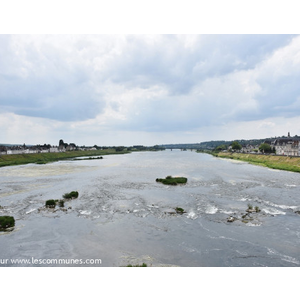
point(51, 261)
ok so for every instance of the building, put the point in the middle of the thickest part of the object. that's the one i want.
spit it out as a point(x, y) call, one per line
point(287, 146)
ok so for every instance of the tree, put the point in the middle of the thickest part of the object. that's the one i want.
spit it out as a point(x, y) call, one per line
point(221, 147)
point(236, 146)
point(265, 148)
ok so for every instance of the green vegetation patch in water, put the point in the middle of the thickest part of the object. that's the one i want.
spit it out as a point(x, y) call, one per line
point(6, 222)
point(172, 180)
point(51, 203)
point(142, 265)
point(72, 195)
point(179, 210)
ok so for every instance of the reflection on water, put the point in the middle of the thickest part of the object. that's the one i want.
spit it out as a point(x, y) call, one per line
point(124, 216)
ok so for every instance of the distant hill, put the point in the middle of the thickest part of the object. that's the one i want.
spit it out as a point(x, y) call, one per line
point(10, 145)
point(210, 145)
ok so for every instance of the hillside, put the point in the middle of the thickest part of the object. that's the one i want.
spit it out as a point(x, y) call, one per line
point(210, 145)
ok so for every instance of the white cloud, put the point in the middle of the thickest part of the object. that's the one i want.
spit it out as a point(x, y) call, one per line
point(170, 84)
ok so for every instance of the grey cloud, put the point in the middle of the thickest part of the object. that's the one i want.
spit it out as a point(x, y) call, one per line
point(170, 63)
point(42, 83)
point(66, 84)
point(277, 98)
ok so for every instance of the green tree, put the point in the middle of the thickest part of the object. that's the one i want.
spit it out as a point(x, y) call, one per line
point(265, 148)
point(236, 146)
point(221, 147)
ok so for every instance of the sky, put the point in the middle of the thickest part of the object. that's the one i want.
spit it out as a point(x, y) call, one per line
point(148, 89)
point(139, 88)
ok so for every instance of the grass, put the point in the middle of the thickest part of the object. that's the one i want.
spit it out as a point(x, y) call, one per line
point(43, 158)
point(172, 180)
point(6, 222)
point(278, 162)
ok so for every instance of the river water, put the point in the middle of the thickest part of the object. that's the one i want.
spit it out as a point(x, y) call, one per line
point(123, 216)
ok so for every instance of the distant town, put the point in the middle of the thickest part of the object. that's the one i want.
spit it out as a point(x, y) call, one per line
point(63, 147)
point(284, 145)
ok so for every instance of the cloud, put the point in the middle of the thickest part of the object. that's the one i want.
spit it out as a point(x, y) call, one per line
point(149, 83)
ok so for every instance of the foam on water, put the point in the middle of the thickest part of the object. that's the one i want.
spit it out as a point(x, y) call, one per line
point(192, 215)
point(229, 212)
point(243, 199)
point(211, 210)
point(273, 211)
point(30, 211)
point(85, 212)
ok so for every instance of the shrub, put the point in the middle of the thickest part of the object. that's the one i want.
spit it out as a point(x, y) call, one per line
point(6, 222)
point(142, 265)
point(257, 209)
point(61, 203)
point(73, 194)
point(172, 180)
point(50, 203)
point(179, 210)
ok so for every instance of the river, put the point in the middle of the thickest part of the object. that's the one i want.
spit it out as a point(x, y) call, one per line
point(123, 216)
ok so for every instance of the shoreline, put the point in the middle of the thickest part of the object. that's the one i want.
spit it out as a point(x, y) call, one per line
point(277, 162)
point(44, 158)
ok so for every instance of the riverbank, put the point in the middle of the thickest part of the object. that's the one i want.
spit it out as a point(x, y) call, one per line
point(43, 158)
point(286, 163)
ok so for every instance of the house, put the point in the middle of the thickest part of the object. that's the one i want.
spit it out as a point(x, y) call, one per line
point(286, 146)
point(53, 149)
point(249, 148)
point(71, 147)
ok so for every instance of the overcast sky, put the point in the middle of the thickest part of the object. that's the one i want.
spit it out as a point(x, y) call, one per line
point(148, 89)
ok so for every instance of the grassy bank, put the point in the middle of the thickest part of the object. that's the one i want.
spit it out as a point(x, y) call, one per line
point(285, 163)
point(43, 158)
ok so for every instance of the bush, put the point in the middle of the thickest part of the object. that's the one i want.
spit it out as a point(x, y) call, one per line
point(179, 210)
point(6, 222)
point(142, 265)
point(50, 203)
point(172, 180)
point(72, 195)
point(61, 203)
point(257, 209)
